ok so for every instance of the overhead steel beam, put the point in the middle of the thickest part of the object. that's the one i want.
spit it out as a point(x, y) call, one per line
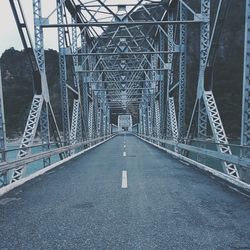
point(122, 70)
point(101, 24)
point(124, 53)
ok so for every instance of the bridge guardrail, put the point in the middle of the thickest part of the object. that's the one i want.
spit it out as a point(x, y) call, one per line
point(238, 160)
point(6, 166)
point(241, 161)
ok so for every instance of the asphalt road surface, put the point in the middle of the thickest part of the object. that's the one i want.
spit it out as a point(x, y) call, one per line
point(124, 194)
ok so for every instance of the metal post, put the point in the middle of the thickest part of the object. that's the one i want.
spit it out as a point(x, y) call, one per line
point(3, 177)
point(162, 84)
point(245, 124)
point(170, 69)
point(63, 74)
point(157, 118)
point(39, 53)
point(90, 120)
point(85, 78)
point(204, 50)
point(182, 73)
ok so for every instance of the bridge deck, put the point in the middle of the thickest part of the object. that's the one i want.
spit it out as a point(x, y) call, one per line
point(167, 205)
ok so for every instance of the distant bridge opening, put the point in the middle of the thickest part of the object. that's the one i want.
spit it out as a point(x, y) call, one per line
point(124, 123)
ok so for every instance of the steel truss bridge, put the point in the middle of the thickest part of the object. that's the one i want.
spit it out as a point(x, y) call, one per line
point(129, 58)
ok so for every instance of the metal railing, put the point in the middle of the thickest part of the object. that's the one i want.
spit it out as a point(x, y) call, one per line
point(9, 165)
point(242, 162)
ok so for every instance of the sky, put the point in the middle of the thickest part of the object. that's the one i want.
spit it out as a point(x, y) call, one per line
point(9, 36)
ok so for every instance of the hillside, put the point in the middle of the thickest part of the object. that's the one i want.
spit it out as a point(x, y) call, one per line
point(18, 87)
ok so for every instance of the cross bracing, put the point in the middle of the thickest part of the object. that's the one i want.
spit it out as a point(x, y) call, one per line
point(129, 58)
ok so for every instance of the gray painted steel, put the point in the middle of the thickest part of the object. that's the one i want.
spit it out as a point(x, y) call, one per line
point(128, 65)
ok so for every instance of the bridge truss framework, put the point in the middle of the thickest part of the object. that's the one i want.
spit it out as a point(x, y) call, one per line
point(127, 59)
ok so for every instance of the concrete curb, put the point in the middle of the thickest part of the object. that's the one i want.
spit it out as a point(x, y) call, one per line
point(237, 183)
point(18, 183)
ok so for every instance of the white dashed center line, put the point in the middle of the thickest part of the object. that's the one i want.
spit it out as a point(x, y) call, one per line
point(124, 179)
point(124, 154)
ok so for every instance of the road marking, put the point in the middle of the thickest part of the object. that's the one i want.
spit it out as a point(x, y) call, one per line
point(124, 179)
point(124, 154)
point(51, 172)
point(124, 146)
point(237, 190)
point(124, 138)
point(7, 200)
point(186, 163)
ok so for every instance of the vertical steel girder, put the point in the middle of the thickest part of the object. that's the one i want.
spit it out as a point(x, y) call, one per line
point(146, 118)
point(162, 84)
point(99, 120)
point(202, 119)
point(3, 177)
point(153, 78)
point(39, 53)
point(2, 124)
point(182, 72)
point(76, 128)
point(143, 120)
point(152, 115)
point(90, 119)
point(63, 74)
point(204, 50)
point(157, 118)
point(139, 123)
point(170, 58)
point(204, 41)
point(169, 125)
point(170, 48)
point(245, 123)
point(45, 132)
point(75, 56)
point(150, 122)
point(140, 120)
point(95, 116)
point(141, 129)
point(108, 122)
point(39, 46)
point(102, 114)
point(85, 98)
point(104, 127)
point(94, 77)
point(105, 118)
